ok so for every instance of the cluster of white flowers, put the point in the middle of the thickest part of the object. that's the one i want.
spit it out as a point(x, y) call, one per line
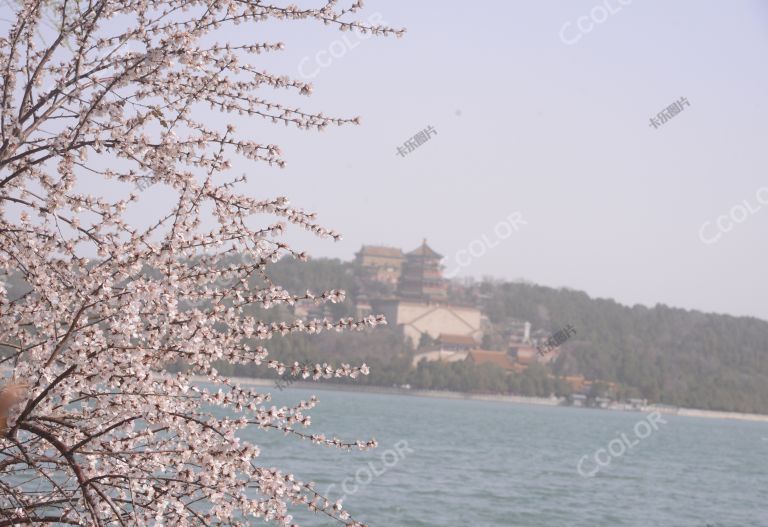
point(96, 430)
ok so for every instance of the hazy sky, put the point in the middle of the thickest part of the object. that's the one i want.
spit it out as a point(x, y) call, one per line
point(559, 132)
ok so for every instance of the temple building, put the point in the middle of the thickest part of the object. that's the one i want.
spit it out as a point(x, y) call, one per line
point(422, 276)
point(380, 264)
point(420, 306)
point(498, 359)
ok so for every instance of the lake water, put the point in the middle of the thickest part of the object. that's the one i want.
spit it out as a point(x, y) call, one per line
point(458, 463)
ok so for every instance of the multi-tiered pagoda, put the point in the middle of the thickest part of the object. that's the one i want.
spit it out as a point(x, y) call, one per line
point(419, 306)
point(421, 277)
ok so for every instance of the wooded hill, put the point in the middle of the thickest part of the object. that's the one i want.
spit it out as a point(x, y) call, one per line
point(667, 355)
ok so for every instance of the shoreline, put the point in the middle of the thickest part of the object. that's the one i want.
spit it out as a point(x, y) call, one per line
point(514, 399)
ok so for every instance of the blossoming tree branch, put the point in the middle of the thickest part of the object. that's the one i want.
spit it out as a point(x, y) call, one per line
point(94, 428)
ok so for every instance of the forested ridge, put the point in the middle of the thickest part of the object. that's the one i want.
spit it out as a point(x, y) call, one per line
point(667, 355)
point(673, 356)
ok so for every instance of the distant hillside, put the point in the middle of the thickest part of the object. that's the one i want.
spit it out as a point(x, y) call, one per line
point(673, 356)
point(667, 355)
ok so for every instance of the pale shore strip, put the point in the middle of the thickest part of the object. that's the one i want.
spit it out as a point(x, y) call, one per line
point(444, 394)
point(518, 399)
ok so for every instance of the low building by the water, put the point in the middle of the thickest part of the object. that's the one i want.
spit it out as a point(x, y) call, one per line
point(577, 383)
point(602, 402)
point(637, 404)
point(578, 399)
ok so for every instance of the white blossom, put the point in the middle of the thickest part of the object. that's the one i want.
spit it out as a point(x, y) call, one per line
point(93, 421)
